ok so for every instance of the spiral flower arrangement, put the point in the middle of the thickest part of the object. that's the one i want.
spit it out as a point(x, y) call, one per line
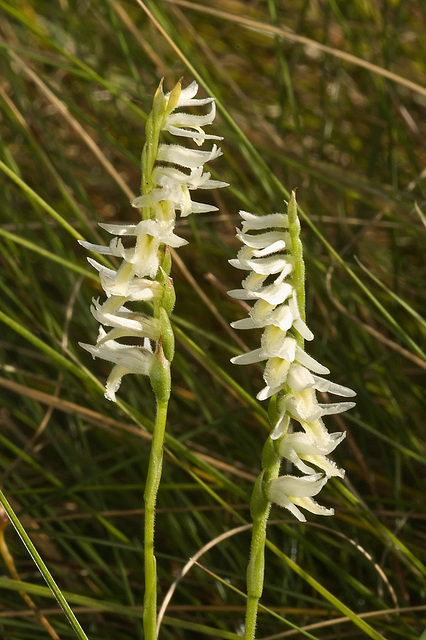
point(290, 373)
point(272, 253)
point(142, 341)
point(170, 172)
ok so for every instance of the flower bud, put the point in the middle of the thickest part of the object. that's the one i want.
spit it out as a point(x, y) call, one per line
point(159, 375)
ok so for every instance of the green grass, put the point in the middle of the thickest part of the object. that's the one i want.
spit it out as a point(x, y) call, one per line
point(334, 108)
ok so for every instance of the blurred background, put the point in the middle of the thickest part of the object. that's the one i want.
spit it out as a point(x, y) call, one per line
point(321, 96)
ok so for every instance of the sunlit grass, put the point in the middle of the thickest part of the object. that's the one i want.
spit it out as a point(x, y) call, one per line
point(335, 109)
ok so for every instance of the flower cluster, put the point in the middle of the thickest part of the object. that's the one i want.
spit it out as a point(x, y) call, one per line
point(290, 374)
point(169, 173)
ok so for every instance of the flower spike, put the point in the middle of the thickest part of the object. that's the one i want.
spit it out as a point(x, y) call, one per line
point(170, 173)
point(272, 253)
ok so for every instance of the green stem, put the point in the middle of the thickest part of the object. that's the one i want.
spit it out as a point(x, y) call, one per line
point(260, 508)
point(150, 497)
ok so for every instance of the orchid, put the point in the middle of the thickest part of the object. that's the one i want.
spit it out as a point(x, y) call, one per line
point(272, 254)
point(171, 172)
point(290, 373)
point(292, 492)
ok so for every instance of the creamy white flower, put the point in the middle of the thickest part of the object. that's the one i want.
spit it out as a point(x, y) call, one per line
point(187, 124)
point(149, 234)
point(189, 158)
point(299, 447)
point(124, 321)
point(174, 186)
point(290, 373)
point(171, 172)
point(117, 283)
point(267, 253)
point(254, 222)
point(128, 359)
point(303, 406)
point(292, 492)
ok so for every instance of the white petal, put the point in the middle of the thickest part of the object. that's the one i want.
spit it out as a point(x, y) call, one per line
point(200, 207)
point(302, 406)
point(190, 158)
point(313, 507)
point(235, 262)
point(131, 288)
point(195, 135)
point(262, 313)
point(276, 371)
point(263, 240)
point(302, 328)
point(189, 120)
point(299, 378)
point(273, 294)
point(97, 248)
point(310, 363)
point(254, 281)
point(335, 407)
point(286, 503)
point(120, 229)
point(244, 323)
point(127, 320)
point(329, 467)
point(138, 289)
point(143, 256)
point(274, 247)
point(277, 292)
point(275, 343)
point(299, 491)
point(250, 357)
point(268, 265)
point(118, 333)
point(110, 273)
point(304, 444)
point(280, 427)
point(252, 221)
point(113, 382)
point(298, 323)
point(265, 393)
point(331, 387)
point(317, 431)
point(294, 487)
point(294, 458)
point(282, 317)
point(186, 94)
point(135, 359)
point(241, 294)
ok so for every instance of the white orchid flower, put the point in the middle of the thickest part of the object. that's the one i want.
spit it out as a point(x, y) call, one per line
point(276, 269)
point(292, 492)
point(171, 172)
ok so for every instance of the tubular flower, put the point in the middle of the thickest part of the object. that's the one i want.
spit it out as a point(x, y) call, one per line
point(170, 172)
point(292, 492)
point(272, 254)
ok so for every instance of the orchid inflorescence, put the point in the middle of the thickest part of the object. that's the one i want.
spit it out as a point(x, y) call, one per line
point(169, 173)
point(272, 254)
point(142, 341)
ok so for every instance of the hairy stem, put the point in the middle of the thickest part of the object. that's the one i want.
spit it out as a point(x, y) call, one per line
point(150, 498)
